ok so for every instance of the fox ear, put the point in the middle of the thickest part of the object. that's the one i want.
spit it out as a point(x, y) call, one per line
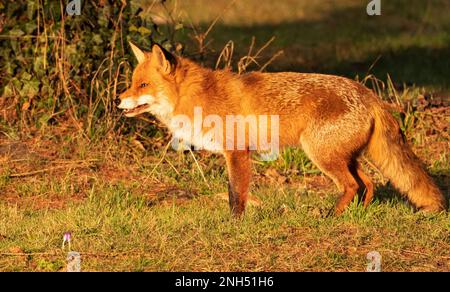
point(164, 60)
point(138, 53)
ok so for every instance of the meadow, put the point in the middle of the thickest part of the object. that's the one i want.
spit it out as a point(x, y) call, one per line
point(132, 203)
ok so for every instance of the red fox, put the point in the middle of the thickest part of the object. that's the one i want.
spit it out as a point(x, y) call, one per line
point(334, 119)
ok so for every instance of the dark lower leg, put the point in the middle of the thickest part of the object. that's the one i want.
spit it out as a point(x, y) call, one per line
point(350, 191)
point(368, 193)
point(239, 173)
point(349, 181)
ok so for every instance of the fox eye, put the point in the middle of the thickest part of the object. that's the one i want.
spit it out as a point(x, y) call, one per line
point(143, 84)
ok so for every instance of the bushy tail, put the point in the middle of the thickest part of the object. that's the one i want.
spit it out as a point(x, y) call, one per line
point(391, 154)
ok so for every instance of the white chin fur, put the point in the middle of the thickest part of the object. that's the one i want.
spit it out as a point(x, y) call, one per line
point(162, 110)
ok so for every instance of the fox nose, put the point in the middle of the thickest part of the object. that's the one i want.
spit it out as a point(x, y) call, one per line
point(117, 101)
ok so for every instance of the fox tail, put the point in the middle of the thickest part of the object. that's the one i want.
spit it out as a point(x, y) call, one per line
point(392, 155)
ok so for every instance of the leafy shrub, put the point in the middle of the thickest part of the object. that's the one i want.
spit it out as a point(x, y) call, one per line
point(55, 66)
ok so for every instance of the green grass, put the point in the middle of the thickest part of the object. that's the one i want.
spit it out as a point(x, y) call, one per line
point(123, 216)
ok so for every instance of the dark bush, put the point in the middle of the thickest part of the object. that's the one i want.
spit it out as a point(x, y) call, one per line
point(55, 66)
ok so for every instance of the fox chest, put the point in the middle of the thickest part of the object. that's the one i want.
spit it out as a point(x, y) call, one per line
point(186, 136)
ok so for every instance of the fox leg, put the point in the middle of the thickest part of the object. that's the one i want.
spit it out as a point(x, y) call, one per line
point(239, 174)
point(341, 172)
point(339, 166)
point(367, 183)
point(350, 179)
point(344, 178)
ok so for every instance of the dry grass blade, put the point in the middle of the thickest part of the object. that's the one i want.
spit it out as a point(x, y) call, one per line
point(50, 169)
point(200, 37)
point(276, 55)
point(199, 168)
point(251, 57)
point(159, 162)
point(226, 55)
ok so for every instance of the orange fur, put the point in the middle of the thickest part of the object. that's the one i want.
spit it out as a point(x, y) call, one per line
point(333, 118)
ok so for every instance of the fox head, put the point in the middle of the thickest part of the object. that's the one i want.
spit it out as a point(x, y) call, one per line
point(152, 85)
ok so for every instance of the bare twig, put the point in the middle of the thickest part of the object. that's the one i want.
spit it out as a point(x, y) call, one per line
point(199, 168)
point(250, 58)
point(276, 55)
point(159, 162)
point(200, 37)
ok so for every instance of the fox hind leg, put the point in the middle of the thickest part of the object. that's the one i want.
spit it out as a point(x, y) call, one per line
point(340, 171)
point(341, 168)
point(366, 185)
point(343, 175)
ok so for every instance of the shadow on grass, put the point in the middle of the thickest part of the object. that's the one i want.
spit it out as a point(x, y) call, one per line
point(442, 179)
point(388, 194)
point(410, 41)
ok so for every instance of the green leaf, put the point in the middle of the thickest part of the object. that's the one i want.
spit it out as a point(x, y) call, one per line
point(31, 9)
point(16, 32)
point(8, 90)
point(38, 66)
point(16, 83)
point(30, 88)
point(43, 120)
point(30, 27)
point(97, 39)
point(144, 31)
point(25, 76)
point(179, 26)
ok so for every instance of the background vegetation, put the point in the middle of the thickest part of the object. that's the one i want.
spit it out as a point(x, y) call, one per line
point(70, 162)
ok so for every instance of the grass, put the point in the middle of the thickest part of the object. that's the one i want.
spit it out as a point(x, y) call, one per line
point(123, 216)
point(132, 207)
